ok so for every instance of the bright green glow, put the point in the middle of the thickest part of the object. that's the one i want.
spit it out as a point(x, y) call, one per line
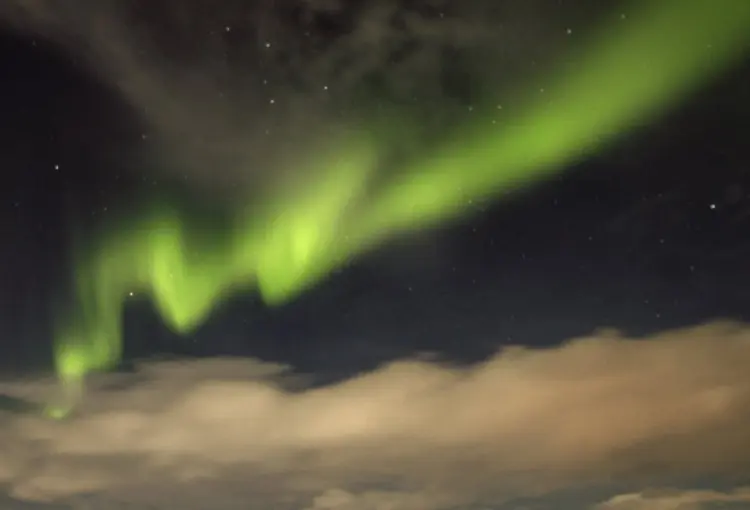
point(636, 67)
point(188, 270)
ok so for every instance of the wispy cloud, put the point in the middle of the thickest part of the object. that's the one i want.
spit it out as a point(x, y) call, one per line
point(242, 90)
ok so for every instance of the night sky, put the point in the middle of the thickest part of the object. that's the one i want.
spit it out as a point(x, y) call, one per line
point(107, 106)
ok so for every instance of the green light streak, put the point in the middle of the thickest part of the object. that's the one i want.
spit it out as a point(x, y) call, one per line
point(635, 68)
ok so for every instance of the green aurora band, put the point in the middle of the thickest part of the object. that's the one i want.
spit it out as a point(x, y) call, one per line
point(632, 70)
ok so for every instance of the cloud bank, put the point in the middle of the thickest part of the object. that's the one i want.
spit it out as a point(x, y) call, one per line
point(414, 434)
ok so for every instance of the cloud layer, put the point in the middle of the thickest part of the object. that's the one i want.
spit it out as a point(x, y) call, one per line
point(414, 434)
point(679, 500)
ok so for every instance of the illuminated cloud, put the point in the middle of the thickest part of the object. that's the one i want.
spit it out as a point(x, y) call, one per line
point(413, 434)
point(679, 500)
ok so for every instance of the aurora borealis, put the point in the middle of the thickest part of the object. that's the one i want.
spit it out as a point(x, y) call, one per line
point(375, 254)
point(635, 67)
